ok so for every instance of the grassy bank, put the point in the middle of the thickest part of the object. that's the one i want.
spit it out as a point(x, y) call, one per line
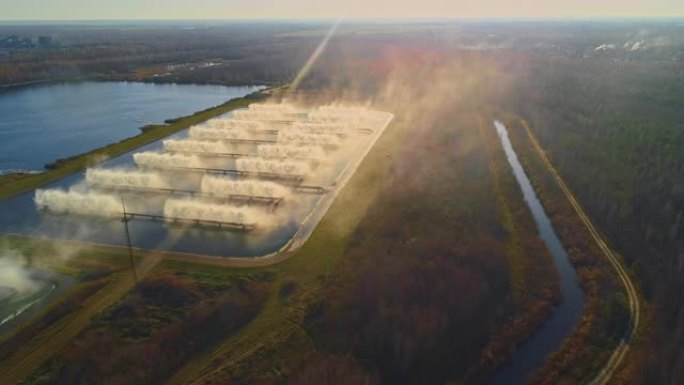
point(535, 284)
point(14, 184)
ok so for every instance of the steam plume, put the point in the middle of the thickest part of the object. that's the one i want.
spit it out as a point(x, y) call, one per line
point(192, 145)
point(291, 135)
point(198, 210)
point(59, 201)
point(128, 178)
point(286, 167)
point(204, 132)
point(153, 159)
point(290, 151)
point(223, 186)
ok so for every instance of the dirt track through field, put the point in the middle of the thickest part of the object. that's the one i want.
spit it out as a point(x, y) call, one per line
point(618, 355)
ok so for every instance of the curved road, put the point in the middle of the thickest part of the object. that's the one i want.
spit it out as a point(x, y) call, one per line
point(622, 348)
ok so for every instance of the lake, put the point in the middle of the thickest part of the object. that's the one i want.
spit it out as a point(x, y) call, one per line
point(274, 230)
point(40, 124)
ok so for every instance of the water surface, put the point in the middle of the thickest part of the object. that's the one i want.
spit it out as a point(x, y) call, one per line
point(566, 315)
point(42, 123)
point(20, 216)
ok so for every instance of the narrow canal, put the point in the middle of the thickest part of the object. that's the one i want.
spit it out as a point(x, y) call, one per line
point(532, 354)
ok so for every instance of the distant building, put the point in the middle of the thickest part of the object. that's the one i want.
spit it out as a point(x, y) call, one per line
point(45, 41)
point(16, 42)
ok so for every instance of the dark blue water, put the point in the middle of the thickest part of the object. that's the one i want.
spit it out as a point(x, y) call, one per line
point(42, 123)
point(566, 315)
point(20, 216)
point(106, 112)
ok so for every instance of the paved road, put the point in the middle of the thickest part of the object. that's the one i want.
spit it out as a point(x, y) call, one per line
point(618, 356)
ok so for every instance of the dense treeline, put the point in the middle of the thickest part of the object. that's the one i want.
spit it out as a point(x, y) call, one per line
point(424, 284)
point(445, 275)
point(614, 129)
point(257, 53)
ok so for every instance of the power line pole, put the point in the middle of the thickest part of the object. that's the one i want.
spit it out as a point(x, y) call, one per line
point(128, 240)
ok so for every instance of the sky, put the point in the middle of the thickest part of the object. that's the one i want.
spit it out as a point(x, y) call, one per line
point(332, 9)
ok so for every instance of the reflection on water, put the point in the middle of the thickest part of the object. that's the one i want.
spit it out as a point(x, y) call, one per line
point(270, 234)
point(40, 124)
point(566, 315)
point(20, 216)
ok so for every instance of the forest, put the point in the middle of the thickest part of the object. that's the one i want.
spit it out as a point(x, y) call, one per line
point(428, 268)
point(167, 319)
point(444, 274)
point(438, 277)
point(248, 53)
point(615, 132)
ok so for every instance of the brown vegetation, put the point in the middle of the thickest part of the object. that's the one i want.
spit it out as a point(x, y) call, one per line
point(156, 328)
point(444, 275)
point(71, 302)
point(423, 292)
point(606, 312)
point(613, 130)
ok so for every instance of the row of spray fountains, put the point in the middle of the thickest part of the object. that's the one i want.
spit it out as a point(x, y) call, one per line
point(273, 148)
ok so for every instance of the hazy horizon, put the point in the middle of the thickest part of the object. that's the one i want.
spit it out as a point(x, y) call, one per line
point(406, 20)
point(77, 10)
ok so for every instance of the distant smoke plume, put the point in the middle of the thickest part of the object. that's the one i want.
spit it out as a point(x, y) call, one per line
point(265, 115)
point(321, 128)
point(205, 132)
point(274, 107)
point(14, 275)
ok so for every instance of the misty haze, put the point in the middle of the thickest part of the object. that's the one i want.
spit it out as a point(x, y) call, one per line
point(342, 193)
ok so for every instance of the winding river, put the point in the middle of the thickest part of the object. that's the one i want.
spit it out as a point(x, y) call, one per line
point(532, 354)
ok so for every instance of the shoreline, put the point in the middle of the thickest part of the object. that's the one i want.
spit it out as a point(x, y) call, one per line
point(14, 184)
point(300, 237)
point(125, 78)
point(597, 281)
point(13, 86)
